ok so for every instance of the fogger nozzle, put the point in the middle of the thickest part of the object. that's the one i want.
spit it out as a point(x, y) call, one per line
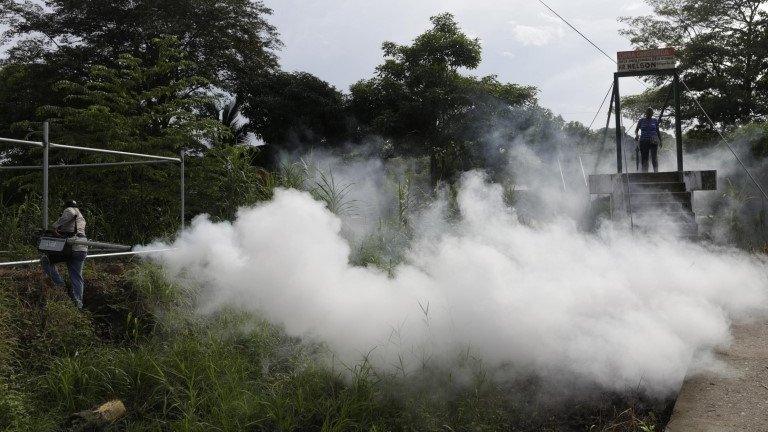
point(99, 245)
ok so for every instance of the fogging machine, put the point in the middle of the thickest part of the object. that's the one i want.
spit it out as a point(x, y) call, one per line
point(59, 249)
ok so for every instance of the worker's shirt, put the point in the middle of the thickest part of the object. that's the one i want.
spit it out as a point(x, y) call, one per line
point(72, 222)
point(649, 129)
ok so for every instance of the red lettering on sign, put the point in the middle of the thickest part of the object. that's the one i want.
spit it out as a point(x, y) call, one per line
point(644, 54)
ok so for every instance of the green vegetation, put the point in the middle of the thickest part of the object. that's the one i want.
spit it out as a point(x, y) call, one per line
point(141, 341)
point(723, 53)
point(202, 76)
point(421, 100)
point(179, 80)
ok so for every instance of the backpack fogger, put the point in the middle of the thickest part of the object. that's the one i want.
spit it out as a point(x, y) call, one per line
point(59, 249)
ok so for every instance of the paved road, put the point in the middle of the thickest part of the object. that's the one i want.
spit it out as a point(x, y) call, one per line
point(736, 401)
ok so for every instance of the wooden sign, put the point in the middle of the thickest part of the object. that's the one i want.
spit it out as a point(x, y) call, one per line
point(646, 60)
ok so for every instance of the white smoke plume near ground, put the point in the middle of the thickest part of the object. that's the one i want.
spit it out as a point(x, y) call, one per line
point(612, 309)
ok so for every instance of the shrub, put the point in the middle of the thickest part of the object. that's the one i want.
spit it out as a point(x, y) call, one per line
point(68, 330)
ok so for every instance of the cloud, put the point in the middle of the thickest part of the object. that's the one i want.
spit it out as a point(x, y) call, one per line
point(549, 17)
point(633, 7)
point(536, 35)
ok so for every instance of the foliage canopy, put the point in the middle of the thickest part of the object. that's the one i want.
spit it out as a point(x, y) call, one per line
point(723, 53)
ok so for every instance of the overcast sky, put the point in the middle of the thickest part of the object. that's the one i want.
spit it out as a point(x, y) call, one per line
point(340, 41)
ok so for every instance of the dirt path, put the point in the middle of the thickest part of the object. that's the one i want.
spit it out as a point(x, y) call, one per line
point(736, 401)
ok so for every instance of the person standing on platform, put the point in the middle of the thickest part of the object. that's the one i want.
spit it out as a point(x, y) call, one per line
point(649, 135)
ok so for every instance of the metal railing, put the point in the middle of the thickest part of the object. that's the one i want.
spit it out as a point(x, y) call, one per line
point(87, 165)
point(46, 145)
point(87, 149)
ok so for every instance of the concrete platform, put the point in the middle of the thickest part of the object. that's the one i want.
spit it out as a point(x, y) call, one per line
point(663, 193)
point(734, 402)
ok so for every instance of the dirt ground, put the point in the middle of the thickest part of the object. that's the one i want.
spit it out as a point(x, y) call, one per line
point(734, 401)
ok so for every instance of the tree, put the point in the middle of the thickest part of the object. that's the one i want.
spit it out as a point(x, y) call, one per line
point(147, 106)
point(581, 136)
point(723, 52)
point(288, 110)
point(418, 88)
point(229, 115)
point(225, 39)
point(420, 99)
point(228, 41)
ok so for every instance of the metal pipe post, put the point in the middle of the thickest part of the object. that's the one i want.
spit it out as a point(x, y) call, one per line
point(86, 149)
point(182, 187)
point(619, 133)
point(46, 148)
point(113, 152)
point(21, 142)
point(678, 126)
point(87, 165)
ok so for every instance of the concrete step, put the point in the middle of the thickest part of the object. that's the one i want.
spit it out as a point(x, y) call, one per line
point(660, 177)
point(672, 207)
point(690, 230)
point(657, 187)
point(685, 225)
point(659, 197)
point(678, 231)
point(657, 215)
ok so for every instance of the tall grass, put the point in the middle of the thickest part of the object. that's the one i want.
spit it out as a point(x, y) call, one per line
point(202, 380)
point(144, 342)
point(233, 371)
point(18, 225)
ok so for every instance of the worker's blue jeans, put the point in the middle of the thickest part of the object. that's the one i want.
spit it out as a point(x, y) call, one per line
point(75, 267)
point(649, 148)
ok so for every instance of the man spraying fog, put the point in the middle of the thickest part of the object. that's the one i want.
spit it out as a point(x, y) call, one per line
point(70, 224)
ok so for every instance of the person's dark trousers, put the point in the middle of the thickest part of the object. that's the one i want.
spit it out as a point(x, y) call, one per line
point(649, 148)
point(75, 267)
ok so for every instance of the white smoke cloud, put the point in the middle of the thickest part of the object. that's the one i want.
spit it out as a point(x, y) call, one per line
point(611, 309)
